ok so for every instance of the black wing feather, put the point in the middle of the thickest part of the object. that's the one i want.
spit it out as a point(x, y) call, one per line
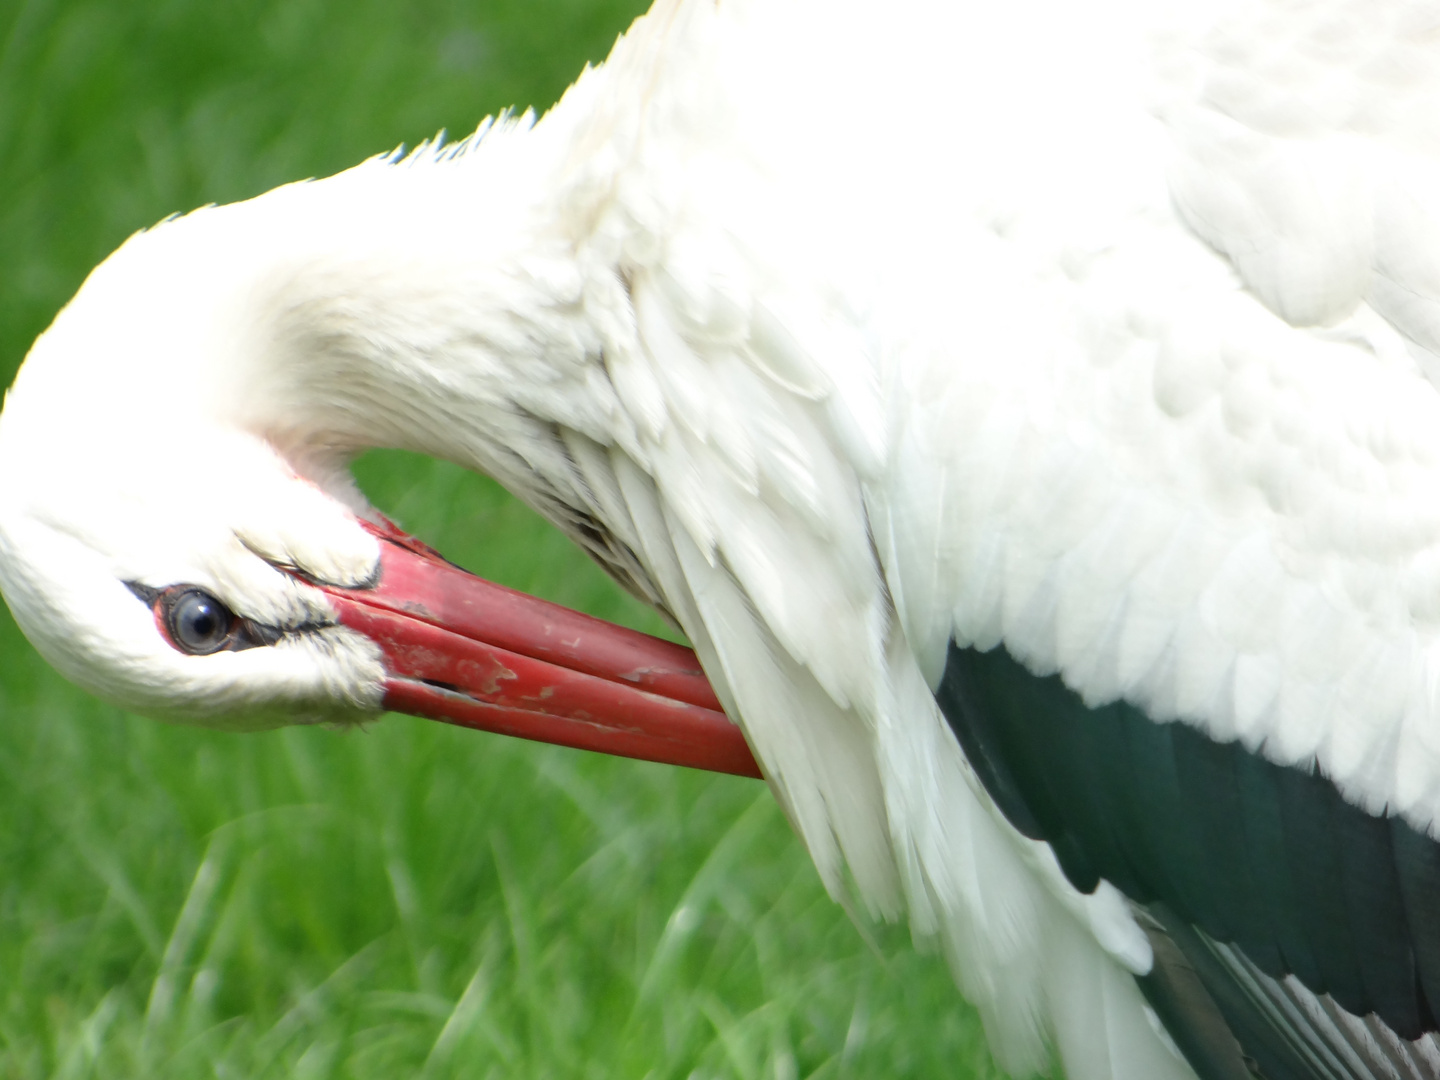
point(1307, 814)
point(1258, 870)
point(1371, 888)
point(1417, 866)
point(1264, 836)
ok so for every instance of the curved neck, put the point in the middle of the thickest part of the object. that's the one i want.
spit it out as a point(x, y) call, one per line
point(421, 317)
point(468, 303)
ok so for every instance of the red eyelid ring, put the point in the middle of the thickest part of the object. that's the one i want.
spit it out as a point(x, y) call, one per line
point(466, 651)
point(159, 608)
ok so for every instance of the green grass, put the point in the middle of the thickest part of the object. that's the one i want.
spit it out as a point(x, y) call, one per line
point(408, 900)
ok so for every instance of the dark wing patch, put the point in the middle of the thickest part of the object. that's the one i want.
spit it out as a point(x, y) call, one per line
point(1266, 860)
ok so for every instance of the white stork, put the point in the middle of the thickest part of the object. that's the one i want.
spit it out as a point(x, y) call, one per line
point(1030, 415)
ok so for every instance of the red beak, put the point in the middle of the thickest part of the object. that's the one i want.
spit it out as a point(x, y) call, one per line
point(466, 651)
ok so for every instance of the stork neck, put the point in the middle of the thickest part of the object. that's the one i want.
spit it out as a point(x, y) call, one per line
point(467, 305)
point(434, 305)
point(464, 305)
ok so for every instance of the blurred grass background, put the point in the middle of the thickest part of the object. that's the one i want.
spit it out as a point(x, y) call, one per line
point(409, 900)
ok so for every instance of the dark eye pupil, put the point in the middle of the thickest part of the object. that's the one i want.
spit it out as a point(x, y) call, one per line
point(198, 622)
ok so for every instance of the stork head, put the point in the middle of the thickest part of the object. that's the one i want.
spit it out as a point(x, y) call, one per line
point(143, 528)
point(179, 532)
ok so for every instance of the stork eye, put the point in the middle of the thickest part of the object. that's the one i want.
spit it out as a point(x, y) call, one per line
point(198, 623)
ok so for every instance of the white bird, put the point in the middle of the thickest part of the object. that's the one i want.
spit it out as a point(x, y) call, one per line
point(1029, 414)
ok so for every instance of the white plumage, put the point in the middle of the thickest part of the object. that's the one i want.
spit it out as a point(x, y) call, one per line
point(1106, 333)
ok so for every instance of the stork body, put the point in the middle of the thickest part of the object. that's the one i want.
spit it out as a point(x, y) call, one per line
point(1028, 419)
